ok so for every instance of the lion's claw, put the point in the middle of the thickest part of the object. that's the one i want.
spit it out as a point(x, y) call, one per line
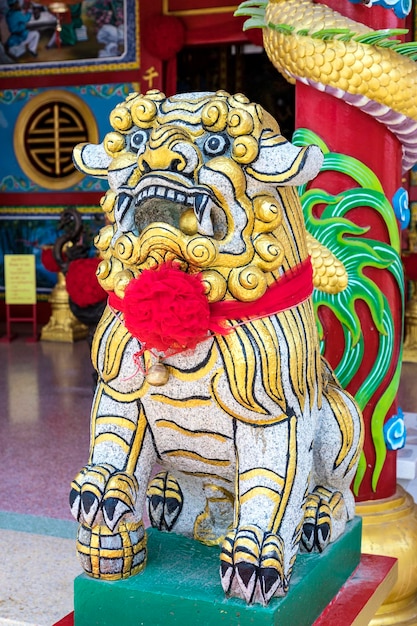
point(89, 506)
point(321, 509)
point(252, 565)
point(101, 490)
point(165, 500)
point(113, 511)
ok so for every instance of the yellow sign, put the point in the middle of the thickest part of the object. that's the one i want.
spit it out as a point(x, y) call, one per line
point(20, 278)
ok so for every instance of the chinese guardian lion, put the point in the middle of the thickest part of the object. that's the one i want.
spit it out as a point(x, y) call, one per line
point(207, 355)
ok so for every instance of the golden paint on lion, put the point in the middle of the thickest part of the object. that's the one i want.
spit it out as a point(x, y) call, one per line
point(251, 429)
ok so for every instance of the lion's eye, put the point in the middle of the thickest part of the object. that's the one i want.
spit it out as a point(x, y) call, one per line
point(216, 144)
point(138, 140)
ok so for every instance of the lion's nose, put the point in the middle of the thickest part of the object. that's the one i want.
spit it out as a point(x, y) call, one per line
point(163, 158)
point(170, 149)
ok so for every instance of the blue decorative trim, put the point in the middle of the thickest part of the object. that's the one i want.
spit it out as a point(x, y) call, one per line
point(401, 7)
point(401, 205)
point(37, 525)
point(11, 183)
point(395, 431)
point(107, 91)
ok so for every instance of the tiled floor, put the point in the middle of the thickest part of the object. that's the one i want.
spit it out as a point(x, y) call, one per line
point(46, 391)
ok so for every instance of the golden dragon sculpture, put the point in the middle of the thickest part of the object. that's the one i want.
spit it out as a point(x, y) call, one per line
point(322, 48)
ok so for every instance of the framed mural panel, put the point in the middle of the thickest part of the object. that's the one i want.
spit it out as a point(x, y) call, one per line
point(29, 230)
point(68, 37)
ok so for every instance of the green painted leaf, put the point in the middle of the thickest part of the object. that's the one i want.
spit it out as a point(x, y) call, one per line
point(360, 474)
point(329, 33)
point(285, 29)
point(374, 37)
point(253, 22)
point(351, 244)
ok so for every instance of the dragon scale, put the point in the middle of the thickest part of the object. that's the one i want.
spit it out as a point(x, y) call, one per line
point(374, 78)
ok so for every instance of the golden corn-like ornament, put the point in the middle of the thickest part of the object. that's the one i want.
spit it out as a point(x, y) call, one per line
point(329, 274)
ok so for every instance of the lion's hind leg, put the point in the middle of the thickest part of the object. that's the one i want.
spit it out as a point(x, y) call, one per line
point(323, 508)
point(336, 450)
point(201, 507)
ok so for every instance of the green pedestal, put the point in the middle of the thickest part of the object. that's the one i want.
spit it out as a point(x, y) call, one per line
point(181, 587)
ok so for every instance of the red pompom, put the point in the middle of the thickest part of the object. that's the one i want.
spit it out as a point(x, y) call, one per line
point(48, 260)
point(82, 285)
point(167, 309)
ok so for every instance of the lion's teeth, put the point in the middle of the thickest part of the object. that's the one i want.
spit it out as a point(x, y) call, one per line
point(124, 216)
point(205, 226)
point(200, 204)
point(124, 202)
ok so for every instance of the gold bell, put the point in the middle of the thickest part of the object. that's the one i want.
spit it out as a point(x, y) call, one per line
point(157, 375)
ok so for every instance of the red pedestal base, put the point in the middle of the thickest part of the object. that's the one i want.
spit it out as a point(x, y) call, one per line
point(362, 594)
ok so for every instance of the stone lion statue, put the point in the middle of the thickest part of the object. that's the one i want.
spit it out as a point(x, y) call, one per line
point(207, 355)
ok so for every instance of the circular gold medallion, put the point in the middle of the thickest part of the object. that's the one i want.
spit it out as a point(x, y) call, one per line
point(46, 132)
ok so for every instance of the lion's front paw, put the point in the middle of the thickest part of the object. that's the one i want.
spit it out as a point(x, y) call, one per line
point(101, 493)
point(112, 555)
point(252, 565)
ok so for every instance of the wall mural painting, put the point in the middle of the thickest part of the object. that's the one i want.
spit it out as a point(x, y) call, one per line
point(52, 37)
point(29, 231)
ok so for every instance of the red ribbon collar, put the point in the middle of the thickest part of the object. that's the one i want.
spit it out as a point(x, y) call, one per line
point(292, 288)
point(295, 286)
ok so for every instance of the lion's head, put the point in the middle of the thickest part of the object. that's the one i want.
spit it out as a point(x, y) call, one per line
point(205, 180)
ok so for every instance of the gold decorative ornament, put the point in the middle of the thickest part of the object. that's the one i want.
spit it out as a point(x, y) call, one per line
point(63, 119)
point(62, 324)
point(329, 274)
point(188, 222)
point(390, 529)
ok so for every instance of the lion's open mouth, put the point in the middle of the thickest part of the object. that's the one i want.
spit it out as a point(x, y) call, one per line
point(161, 200)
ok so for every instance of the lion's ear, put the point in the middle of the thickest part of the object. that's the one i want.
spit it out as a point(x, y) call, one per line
point(91, 159)
point(281, 163)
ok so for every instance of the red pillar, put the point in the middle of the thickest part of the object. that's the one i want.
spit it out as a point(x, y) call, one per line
point(347, 130)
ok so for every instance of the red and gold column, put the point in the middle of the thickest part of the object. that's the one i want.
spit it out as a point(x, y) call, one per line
point(354, 97)
point(388, 512)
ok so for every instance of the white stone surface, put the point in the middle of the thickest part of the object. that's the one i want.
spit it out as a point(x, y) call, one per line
point(253, 419)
